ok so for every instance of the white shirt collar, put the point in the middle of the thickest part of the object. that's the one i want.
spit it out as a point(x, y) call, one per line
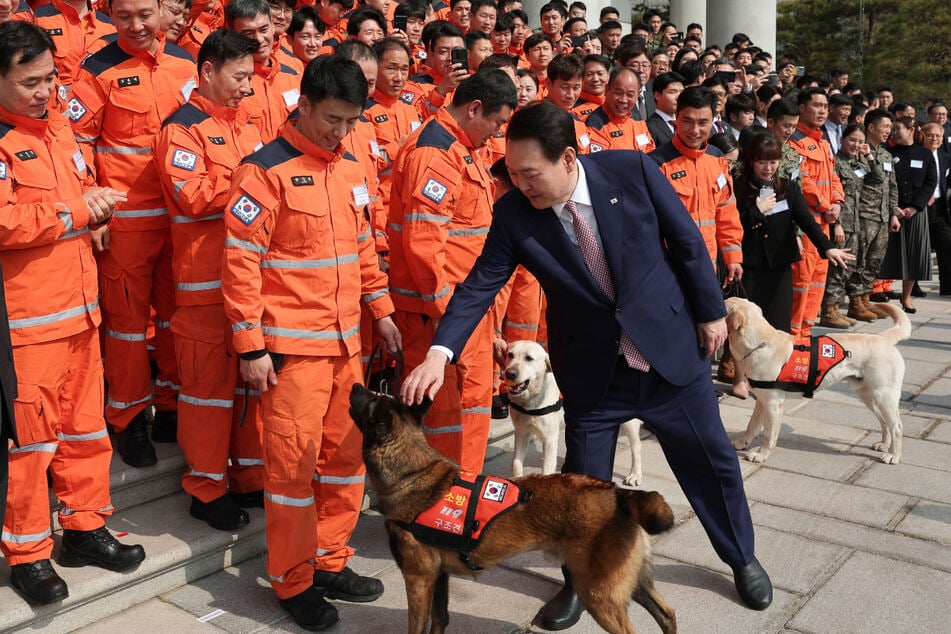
point(663, 115)
point(581, 195)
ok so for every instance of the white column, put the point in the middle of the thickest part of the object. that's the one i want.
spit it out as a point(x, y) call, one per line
point(756, 18)
point(683, 12)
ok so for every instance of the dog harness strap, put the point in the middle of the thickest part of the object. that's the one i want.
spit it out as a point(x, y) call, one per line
point(556, 406)
point(808, 364)
point(811, 383)
point(471, 525)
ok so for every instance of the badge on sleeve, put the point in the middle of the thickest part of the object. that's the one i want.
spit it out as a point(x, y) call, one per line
point(246, 209)
point(75, 109)
point(594, 147)
point(3, 171)
point(434, 190)
point(721, 181)
point(408, 97)
point(184, 160)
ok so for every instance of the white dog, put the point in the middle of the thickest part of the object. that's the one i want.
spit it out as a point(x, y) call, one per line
point(537, 413)
point(871, 365)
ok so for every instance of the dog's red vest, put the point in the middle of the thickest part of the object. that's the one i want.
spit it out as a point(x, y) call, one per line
point(459, 518)
point(809, 363)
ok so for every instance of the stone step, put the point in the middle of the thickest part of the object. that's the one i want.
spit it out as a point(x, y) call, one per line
point(179, 550)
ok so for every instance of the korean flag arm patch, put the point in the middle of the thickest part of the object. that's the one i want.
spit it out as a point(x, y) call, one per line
point(434, 190)
point(3, 171)
point(246, 209)
point(185, 160)
point(75, 109)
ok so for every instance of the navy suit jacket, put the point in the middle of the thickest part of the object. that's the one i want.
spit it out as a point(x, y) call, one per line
point(664, 282)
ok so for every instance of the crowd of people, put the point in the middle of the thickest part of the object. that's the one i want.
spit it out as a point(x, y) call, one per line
point(213, 213)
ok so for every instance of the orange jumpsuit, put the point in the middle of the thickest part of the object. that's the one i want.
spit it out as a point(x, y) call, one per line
point(276, 89)
point(586, 104)
point(427, 101)
point(52, 297)
point(702, 180)
point(285, 55)
point(821, 188)
point(607, 132)
point(75, 37)
point(196, 151)
point(299, 261)
point(120, 98)
point(441, 208)
point(23, 13)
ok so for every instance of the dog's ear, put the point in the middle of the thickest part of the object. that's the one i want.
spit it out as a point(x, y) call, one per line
point(547, 363)
point(735, 318)
point(420, 410)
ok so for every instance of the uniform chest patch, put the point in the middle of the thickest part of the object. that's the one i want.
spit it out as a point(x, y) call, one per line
point(434, 190)
point(217, 140)
point(184, 160)
point(298, 181)
point(52, 32)
point(125, 82)
point(617, 133)
point(467, 159)
point(381, 118)
point(75, 109)
point(246, 209)
point(812, 147)
point(407, 97)
point(677, 175)
point(594, 147)
point(26, 155)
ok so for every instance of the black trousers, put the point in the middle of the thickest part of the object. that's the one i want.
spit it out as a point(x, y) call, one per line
point(771, 290)
point(940, 229)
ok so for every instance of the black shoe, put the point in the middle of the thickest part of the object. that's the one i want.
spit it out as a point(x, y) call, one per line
point(133, 444)
point(98, 548)
point(499, 409)
point(38, 582)
point(878, 297)
point(917, 292)
point(911, 310)
point(893, 295)
point(754, 585)
point(310, 610)
point(249, 499)
point(165, 426)
point(348, 586)
point(562, 611)
point(221, 513)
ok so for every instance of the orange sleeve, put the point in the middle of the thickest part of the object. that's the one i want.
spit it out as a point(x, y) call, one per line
point(728, 226)
point(26, 225)
point(196, 187)
point(85, 110)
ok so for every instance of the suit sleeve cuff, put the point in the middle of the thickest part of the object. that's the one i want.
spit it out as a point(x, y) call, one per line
point(446, 351)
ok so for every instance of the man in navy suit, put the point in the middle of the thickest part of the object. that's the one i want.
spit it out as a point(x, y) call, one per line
point(666, 304)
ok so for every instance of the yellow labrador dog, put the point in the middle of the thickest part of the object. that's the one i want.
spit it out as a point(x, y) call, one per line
point(870, 363)
point(537, 412)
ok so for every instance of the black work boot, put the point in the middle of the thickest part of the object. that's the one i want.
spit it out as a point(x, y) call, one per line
point(98, 548)
point(248, 499)
point(563, 610)
point(310, 610)
point(133, 444)
point(348, 586)
point(221, 513)
point(165, 426)
point(38, 582)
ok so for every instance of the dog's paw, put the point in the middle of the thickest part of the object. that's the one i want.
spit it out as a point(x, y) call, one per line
point(741, 444)
point(879, 446)
point(759, 455)
point(889, 458)
point(633, 480)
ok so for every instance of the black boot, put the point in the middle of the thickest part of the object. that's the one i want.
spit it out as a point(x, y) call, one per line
point(248, 499)
point(133, 444)
point(38, 582)
point(98, 548)
point(310, 610)
point(221, 513)
point(165, 426)
point(563, 610)
point(348, 586)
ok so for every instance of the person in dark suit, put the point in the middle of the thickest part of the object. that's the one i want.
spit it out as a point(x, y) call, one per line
point(666, 88)
point(8, 393)
point(634, 312)
point(939, 220)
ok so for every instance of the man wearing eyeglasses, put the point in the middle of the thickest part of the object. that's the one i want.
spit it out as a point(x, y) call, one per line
point(281, 13)
point(173, 18)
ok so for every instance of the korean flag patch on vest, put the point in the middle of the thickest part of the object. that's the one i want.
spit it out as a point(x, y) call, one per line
point(184, 160)
point(434, 190)
point(246, 209)
point(3, 171)
point(75, 109)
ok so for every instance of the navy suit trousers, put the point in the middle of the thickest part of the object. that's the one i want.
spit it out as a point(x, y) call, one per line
point(687, 423)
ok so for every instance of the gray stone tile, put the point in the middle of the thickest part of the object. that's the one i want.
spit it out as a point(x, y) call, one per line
point(153, 616)
point(941, 433)
point(928, 520)
point(851, 535)
point(812, 457)
point(908, 479)
point(877, 594)
point(855, 415)
point(937, 394)
point(833, 499)
point(922, 372)
point(926, 453)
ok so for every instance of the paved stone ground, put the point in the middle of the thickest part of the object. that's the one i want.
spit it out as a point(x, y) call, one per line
point(852, 545)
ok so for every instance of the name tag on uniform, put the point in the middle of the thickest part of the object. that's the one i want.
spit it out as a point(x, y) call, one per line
point(217, 140)
point(781, 206)
point(917, 164)
point(381, 118)
point(375, 148)
point(125, 82)
point(861, 172)
point(678, 175)
point(642, 139)
point(616, 133)
point(414, 125)
point(79, 161)
point(887, 166)
point(584, 141)
point(300, 181)
point(291, 97)
point(721, 181)
point(361, 196)
point(188, 87)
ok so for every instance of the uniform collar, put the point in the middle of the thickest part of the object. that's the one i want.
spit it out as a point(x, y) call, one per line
point(812, 133)
point(687, 151)
point(267, 71)
point(218, 111)
point(296, 138)
point(383, 99)
point(70, 11)
point(144, 54)
point(35, 126)
point(590, 98)
point(446, 120)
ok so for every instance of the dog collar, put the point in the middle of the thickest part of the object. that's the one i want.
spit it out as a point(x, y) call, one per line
point(554, 407)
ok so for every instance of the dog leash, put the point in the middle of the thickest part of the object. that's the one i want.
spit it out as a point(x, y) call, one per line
point(380, 350)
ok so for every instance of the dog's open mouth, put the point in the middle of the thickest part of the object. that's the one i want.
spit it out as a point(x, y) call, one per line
point(517, 388)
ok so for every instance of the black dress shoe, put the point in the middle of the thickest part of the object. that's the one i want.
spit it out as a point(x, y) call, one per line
point(133, 444)
point(98, 548)
point(165, 426)
point(917, 292)
point(754, 585)
point(310, 610)
point(499, 409)
point(878, 297)
point(221, 513)
point(348, 586)
point(38, 582)
point(911, 310)
point(562, 611)
point(249, 499)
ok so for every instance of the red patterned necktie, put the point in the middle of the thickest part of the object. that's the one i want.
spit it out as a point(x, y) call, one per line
point(598, 266)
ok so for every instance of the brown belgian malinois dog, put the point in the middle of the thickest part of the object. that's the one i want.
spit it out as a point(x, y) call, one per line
point(599, 531)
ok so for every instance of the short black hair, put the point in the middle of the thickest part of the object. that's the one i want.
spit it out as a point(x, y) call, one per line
point(838, 99)
point(692, 70)
point(332, 77)
point(534, 40)
point(500, 172)
point(356, 51)
point(598, 59)
point(610, 24)
point(565, 67)
point(493, 87)
point(606, 10)
point(782, 108)
point(362, 15)
point(806, 95)
point(503, 23)
point(301, 17)
point(412, 9)
point(697, 97)
point(438, 29)
point(554, 6)
point(24, 39)
point(547, 124)
point(572, 21)
point(499, 60)
point(736, 104)
point(390, 44)
point(874, 117)
point(472, 38)
point(247, 9)
point(630, 49)
point(662, 81)
point(224, 45)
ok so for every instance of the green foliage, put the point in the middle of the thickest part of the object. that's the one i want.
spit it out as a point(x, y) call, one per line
point(903, 44)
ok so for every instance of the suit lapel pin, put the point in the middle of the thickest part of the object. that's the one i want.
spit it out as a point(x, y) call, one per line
point(614, 201)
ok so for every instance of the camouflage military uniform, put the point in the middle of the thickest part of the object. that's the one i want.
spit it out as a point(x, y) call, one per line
point(789, 164)
point(878, 202)
point(853, 172)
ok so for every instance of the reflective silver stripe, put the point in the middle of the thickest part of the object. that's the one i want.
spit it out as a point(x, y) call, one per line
point(67, 219)
point(16, 538)
point(310, 264)
point(394, 226)
point(735, 247)
point(443, 220)
point(247, 246)
point(205, 402)
point(119, 149)
point(73, 234)
point(247, 462)
point(311, 334)
point(39, 447)
point(125, 336)
point(142, 213)
point(198, 286)
point(202, 474)
point(179, 220)
point(93, 435)
point(162, 324)
point(706, 223)
point(363, 237)
point(477, 410)
point(481, 231)
point(52, 318)
point(725, 203)
point(800, 289)
point(240, 392)
point(817, 284)
point(169, 384)
point(339, 479)
point(322, 551)
point(244, 325)
point(85, 139)
point(432, 431)
point(289, 501)
point(429, 298)
point(515, 324)
point(178, 188)
point(366, 299)
point(276, 579)
point(123, 405)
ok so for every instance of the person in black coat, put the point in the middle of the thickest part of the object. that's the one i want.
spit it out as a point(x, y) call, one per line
point(939, 220)
point(8, 393)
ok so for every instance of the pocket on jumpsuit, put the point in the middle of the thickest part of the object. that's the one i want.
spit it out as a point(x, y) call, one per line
point(285, 461)
point(28, 409)
point(112, 288)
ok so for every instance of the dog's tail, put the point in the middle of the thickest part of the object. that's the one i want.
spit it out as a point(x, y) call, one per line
point(649, 508)
point(902, 328)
